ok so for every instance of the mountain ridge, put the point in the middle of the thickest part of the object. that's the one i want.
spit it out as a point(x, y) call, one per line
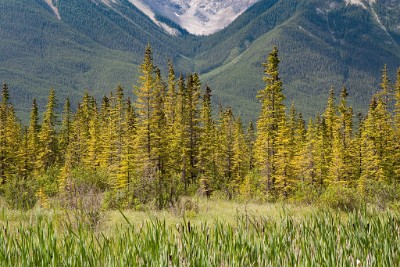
point(322, 43)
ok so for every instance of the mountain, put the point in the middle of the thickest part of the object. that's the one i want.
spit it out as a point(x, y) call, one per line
point(321, 43)
point(198, 17)
point(95, 44)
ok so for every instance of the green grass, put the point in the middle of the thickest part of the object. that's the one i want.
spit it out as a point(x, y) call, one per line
point(221, 233)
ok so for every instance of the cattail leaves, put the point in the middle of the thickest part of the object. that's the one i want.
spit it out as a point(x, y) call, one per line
point(323, 238)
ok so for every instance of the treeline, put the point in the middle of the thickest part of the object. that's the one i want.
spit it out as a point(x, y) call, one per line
point(167, 144)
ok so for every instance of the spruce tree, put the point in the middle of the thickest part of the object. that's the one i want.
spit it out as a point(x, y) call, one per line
point(239, 163)
point(94, 148)
point(323, 152)
point(330, 120)
point(225, 152)
point(396, 141)
point(206, 164)
point(272, 113)
point(192, 124)
point(147, 144)
point(309, 156)
point(116, 130)
point(250, 140)
point(284, 160)
point(171, 97)
point(376, 144)
point(127, 167)
point(10, 139)
point(177, 146)
point(65, 130)
point(343, 150)
point(33, 137)
point(4, 111)
point(47, 155)
point(159, 140)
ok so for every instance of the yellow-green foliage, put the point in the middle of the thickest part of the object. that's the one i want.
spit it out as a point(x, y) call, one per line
point(167, 144)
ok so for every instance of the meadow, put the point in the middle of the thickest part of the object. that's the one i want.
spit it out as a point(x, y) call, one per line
point(209, 233)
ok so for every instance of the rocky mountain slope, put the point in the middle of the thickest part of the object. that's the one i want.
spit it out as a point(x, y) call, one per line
point(96, 44)
point(199, 17)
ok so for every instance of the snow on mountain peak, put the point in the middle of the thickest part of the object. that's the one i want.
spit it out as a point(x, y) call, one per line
point(199, 17)
point(54, 8)
point(362, 3)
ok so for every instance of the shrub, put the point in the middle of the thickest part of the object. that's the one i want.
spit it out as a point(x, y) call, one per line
point(380, 194)
point(252, 187)
point(48, 181)
point(306, 194)
point(117, 199)
point(339, 196)
point(20, 193)
point(83, 195)
point(185, 207)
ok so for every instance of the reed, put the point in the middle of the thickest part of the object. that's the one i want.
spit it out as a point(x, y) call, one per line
point(322, 239)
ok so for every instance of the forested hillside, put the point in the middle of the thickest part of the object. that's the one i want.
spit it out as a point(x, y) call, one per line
point(166, 143)
point(96, 44)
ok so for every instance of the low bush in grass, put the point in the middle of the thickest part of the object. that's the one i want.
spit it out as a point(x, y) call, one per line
point(83, 195)
point(20, 193)
point(48, 181)
point(185, 207)
point(306, 193)
point(381, 194)
point(338, 195)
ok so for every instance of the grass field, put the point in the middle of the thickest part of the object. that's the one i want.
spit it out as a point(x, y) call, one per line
point(211, 233)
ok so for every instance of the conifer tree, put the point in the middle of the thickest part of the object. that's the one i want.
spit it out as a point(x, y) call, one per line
point(323, 155)
point(308, 155)
point(343, 151)
point(10, 139)
point(184, 138)
point(272, 113)
point(148, 103)
point(159, 140)
point(384, 94)
point(239, 163)
point(14, 143)
point(65, 130)
point(225, 152)
point(47, 137)
point(170, 110)
point(371, 162)
point(330, 120)
point(377, 148)
point(170, 98)
point(105, 133)
point(144, 103)
point(206, 164)
point(94, 148)
point(358, 146)
point(284, 160)
point(24, 156)
point(85, 118)
point(396, 119)
point(250, 140)
point(32, 137)
point(115, 135)
point(297, 140)
point(177, 160)
point(127, 167)
point(4, 110)
point(192, 124)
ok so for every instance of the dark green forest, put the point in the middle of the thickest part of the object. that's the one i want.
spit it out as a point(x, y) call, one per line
point(320, 46)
